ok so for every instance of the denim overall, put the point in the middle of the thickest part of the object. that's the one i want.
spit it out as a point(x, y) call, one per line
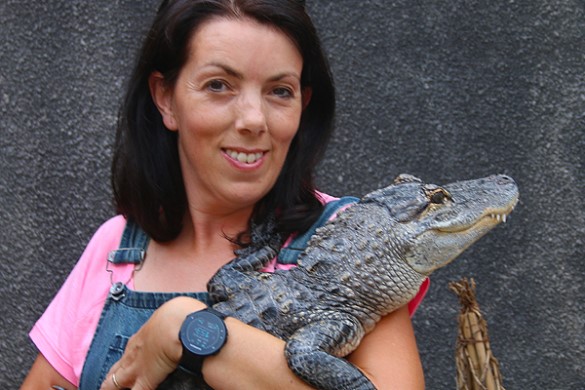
point(126, 310)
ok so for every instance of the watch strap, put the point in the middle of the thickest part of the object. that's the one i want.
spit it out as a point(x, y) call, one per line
point(191, 363)
point(217, 313)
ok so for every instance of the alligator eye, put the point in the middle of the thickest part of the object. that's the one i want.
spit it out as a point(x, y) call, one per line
point(439, 196)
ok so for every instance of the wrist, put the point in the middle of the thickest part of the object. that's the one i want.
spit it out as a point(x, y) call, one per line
point(174, 313)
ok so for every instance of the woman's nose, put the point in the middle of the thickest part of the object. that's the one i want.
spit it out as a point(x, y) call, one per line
point(251, 116)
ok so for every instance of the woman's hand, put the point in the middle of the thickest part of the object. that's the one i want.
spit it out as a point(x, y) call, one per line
point(155, 350)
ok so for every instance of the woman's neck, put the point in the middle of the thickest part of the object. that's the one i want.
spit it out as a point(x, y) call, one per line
point(187, 262)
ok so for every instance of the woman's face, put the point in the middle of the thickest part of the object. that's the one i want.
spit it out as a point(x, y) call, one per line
point(236, 105)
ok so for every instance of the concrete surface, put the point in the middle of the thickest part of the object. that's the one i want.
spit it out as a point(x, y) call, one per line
point(444, 90)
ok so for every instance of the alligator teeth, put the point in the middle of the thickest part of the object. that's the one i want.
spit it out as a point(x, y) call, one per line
point(499, 217)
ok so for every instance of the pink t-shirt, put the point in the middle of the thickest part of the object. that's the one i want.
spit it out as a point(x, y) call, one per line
point(64, 332)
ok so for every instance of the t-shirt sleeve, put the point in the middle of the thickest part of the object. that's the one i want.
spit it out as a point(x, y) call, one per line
point(65, 330)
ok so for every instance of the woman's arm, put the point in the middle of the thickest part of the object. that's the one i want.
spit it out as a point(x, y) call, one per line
point(42, 376)
point(389, 354)
point(255, 358)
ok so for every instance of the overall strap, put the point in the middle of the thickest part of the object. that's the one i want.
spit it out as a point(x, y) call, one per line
point(132, 250)
point(132, 246)
point(290, 254)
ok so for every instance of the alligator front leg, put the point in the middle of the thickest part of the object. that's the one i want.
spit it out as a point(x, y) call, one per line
point(312, 354)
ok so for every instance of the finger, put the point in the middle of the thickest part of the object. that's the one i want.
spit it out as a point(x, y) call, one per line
point(107, 383)
point(113, 382)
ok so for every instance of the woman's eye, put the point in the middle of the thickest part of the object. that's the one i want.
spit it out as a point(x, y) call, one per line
point(282, 92)
point(216, 85)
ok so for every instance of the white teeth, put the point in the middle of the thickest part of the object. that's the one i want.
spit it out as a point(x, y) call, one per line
point(499, 217)
point(247, 158)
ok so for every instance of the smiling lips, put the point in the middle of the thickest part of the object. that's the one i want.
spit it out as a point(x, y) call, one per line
point(246, 158)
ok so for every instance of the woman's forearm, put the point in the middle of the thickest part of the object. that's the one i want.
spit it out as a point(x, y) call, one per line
point(43, 376)
point(254, 359)
point(251, 359)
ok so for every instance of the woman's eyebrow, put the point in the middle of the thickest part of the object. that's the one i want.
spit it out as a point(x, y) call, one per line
point(232, 72)
point(226, 68)
point(284, 75)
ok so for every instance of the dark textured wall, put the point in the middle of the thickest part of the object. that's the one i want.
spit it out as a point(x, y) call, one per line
point(444, 90)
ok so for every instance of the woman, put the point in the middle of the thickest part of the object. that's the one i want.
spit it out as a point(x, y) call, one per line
point(227, 113)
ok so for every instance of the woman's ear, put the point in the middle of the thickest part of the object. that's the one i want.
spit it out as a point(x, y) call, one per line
point(162, 97)
point(306, 94)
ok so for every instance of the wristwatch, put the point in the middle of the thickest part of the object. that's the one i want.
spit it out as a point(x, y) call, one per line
point(202, 334)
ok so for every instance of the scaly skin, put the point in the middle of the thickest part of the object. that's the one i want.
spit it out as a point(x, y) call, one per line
point(361, 266)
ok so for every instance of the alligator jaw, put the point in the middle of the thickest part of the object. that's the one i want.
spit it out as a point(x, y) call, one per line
point(434, 249)
point(490, 216)
point(439, 246)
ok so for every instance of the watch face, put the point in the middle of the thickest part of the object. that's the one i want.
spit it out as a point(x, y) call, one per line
point(203, 333)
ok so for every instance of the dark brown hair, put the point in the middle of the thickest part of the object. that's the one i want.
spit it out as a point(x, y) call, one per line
point(146, 174)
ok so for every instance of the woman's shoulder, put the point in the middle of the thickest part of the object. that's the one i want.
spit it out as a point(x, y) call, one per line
point(90, 270)
point(111, 228)
point(105, 239)
point(108, 235)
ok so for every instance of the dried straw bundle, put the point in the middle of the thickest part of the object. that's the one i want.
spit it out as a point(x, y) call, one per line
point(477, 368)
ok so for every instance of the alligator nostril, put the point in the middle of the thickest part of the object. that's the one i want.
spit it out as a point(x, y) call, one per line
point(503, 180)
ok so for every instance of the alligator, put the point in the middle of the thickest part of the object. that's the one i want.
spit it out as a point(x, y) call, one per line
point(362, 265)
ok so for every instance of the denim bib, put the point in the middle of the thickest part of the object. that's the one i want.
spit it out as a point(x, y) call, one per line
point(126, 310)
